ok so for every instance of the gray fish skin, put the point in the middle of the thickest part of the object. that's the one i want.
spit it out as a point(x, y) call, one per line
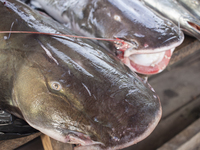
point(70, 89)
point(129, 20)
point(172, 10)
point(142, 30)
point(193, 6)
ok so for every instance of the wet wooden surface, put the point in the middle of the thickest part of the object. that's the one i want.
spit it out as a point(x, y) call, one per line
point(188, 47)
point(14, 143)
point(51, 144)
point(188, 139)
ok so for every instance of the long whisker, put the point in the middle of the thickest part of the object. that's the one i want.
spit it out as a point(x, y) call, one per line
point(11, 29)
point(55, 34)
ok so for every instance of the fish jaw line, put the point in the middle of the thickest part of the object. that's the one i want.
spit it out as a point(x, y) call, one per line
point(48, 132)
point(82, 139)
point(71, 139)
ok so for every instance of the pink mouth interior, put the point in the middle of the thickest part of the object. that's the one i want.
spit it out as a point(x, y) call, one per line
point(80, 139)
point(147, 69)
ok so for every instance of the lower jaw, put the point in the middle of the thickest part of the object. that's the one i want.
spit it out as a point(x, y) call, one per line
point(151, 69)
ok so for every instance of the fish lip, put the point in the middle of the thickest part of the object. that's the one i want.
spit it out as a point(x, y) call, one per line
point(80, 138)
point(75, 137)
point(153, 68)
point(69, 136)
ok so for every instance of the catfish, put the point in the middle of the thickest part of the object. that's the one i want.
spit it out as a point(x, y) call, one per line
point(143, 31)
point(70, 89)
point(192, 6)
point(176, 12)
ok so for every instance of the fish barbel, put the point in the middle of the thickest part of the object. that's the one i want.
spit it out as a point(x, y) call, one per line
point(143, 32)
point(68, 88)
point(174, 11)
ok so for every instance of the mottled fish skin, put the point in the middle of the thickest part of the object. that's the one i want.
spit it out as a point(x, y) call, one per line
point(69, 88)
point(129, 20)
point(172, 10)
point(193, 6)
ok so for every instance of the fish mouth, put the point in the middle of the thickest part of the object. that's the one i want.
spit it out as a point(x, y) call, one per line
point(147, 61)
point(132, 47)
point(195, 29)
point(80, 139)
point(195, 26)
point(67, 136)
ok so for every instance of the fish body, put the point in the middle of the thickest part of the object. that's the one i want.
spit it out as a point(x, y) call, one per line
point(193, 6)
point(142, 30)
point(174, 11)
point(68, 88)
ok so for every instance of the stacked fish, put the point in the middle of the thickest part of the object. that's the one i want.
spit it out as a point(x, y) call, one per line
point(149, 40)
point(184, 13)
point(80, 91)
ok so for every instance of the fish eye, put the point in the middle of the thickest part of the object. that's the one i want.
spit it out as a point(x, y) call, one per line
point(117, 18)
point(56, 86)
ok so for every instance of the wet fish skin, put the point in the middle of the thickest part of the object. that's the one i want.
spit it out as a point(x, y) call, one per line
point(115, 19)
point(129, 20)
point(70, 89)
point(172, 10)
point(193, 6)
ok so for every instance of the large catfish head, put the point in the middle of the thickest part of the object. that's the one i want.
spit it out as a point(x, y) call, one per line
point(81, 95)
point(72, 89)
point(143, 31)
point(149, 39)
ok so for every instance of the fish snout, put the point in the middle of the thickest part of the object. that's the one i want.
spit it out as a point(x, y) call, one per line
point(149, 55)
point(122, 123)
